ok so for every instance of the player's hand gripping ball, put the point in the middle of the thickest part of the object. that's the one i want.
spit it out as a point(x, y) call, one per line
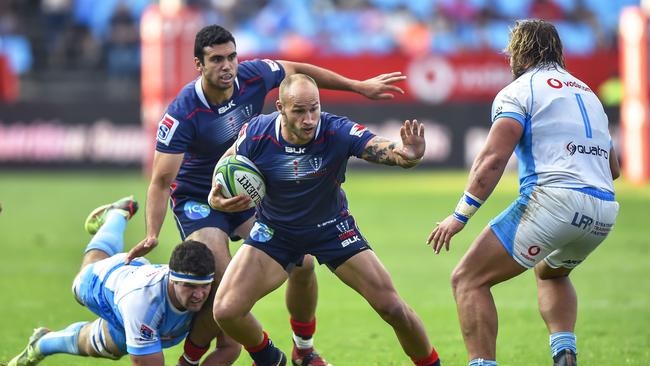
point(236, 175)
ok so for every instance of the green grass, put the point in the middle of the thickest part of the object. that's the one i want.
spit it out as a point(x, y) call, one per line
point(42, 239)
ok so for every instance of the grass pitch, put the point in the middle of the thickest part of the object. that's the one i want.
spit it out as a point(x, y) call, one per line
point(42, 237)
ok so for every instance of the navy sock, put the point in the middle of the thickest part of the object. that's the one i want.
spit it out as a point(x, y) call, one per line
point(265, 353)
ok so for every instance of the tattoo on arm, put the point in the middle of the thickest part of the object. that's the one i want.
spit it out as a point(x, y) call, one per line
point(380, 150)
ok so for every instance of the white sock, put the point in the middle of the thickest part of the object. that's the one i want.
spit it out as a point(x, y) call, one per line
point(302, 343)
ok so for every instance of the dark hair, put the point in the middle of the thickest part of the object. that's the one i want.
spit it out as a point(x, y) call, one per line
point(534, 42)
point(192, 257)
point(209, 36)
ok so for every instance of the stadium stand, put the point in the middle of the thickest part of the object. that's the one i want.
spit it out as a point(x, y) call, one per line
point(86, 39)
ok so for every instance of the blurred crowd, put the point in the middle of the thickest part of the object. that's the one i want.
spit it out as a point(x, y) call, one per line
point(103, 35)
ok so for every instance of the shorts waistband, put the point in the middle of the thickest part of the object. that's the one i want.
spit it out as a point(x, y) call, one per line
point(594, 192)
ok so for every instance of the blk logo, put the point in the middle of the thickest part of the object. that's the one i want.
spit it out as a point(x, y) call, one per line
point(295, 150)
point(349, 241)
point(226, 107)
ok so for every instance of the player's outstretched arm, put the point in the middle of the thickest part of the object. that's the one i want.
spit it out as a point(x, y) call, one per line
point(154, 359)
point(483, 178)
point(376, 88)
point(406, 154)
point(164, 171)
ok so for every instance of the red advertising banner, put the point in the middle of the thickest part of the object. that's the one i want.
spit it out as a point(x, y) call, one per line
point(470, 77)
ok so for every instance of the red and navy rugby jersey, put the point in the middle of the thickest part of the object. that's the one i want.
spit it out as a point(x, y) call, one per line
point(203, 132)
point(303, 182)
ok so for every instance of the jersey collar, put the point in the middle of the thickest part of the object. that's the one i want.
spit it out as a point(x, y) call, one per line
point(277, 128)
point(199, 91)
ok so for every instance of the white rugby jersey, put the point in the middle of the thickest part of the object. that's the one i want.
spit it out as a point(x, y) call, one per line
point(566, 140)
point(140, 302)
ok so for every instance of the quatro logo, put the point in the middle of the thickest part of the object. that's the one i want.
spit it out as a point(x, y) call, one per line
point(554, 83)
point(534, 250)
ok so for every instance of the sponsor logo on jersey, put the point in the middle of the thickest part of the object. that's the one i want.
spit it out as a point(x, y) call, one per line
point(272, 64)
point(586, 150)
point(316, 163)
point(225, 108)
point(582, 221)
point(295, 150)
point(531, 252)
point(534, 250)
point(260, 232)
point(351, 240)
point(554, 83)
point(347, 234)
point(326, 223)
point(166, 129)
point(357, 130)
point(557, 84)
point(343, 226)
point(498, 111)
point(572, 262)
point(146, 333)
point(196, 210)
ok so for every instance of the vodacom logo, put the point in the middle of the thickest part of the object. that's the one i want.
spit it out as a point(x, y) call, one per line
point(554, 83)
point(432, 79)
point(534, 250)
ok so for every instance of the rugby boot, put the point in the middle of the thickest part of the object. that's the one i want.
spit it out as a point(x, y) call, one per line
point(31, 355)
point(566, 357)
point(127, 207)
point(307, 357)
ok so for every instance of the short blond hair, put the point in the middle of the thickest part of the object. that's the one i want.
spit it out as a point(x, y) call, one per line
point(288, 81)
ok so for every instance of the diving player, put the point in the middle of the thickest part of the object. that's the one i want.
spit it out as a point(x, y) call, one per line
point(141, 308)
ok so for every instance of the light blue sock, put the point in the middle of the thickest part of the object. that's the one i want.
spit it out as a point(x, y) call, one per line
point(110, 237)
point(482, 362)
point(562, 340)
point(62, 341)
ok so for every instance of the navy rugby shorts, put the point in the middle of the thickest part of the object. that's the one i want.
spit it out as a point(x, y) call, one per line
point(193, 213)
point(332, 242)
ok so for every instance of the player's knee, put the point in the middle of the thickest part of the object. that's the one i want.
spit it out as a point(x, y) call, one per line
point(303, 275)
point(204, 328)
point(226, 310)
point(228, 348)
point(392, 309)
point(459, 280)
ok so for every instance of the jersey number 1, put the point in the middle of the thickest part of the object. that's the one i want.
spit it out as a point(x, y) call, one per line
point(585, 116)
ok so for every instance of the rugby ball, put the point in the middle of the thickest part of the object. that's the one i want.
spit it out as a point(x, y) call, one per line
point(238, 175)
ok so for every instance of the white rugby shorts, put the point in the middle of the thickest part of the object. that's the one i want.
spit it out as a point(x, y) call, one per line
point(561, 226)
